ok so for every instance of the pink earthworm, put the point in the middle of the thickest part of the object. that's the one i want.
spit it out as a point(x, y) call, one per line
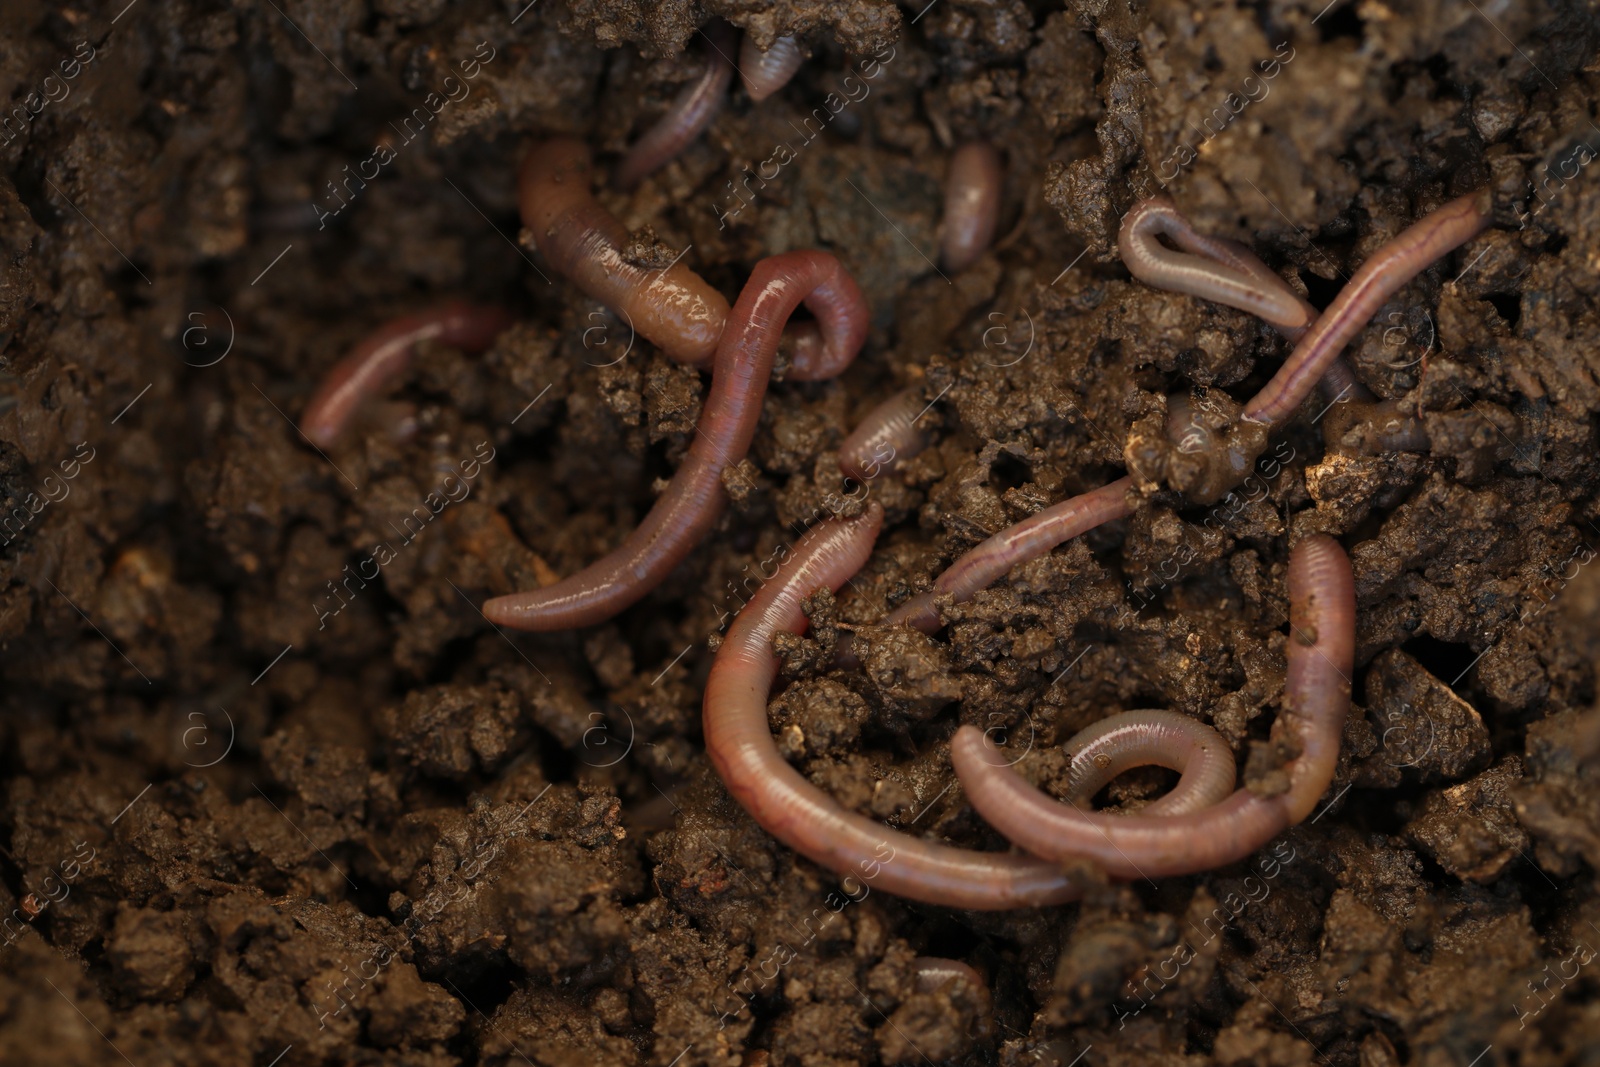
point(971, 204)
point(673, 308)
point(1161, 738)
point(1027, 540)
point(764, 73)
point(739, 742)
point(688, 115)
point(693, 501)
point(1220, 270)
point(886, 437)
point(385, 354)
point(1315, 703)
point(930, 974)
point(1389, 270)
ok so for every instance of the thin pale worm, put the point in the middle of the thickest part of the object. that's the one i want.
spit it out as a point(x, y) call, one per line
point(932, 973)
point(1389, 270)
point(885, 438)
point(673, 308)
point(1375, 428)
point(764, 73)
point(1131, 739)
point(1027, 540)
point(1316, 700)
point(971, 204)
point(687, 116)
point(1220, 270)
point(691, 504)
point(385, 354)
point(739, 742)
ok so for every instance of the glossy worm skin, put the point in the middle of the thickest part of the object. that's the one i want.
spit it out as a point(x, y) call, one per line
point(1315, 701)
point(764, 73)
point(1380, 277)
point(739, 742)
point(1161, 738)
point(674, 309)
point(1216, 269)
point(885, 438)
point(1027, 540)
point(695, 498)
point(385, 354)
point(971, 204)
point(687, 116)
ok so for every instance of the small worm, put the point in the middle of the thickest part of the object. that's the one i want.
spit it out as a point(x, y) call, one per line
point(1389, 270)
point(933, 973)
point(739, 742)
point(1027, 540)
point(1315, 702)
point(674, 309)
point(687, 116)
point(971, 204)
point(764, 73)
point(695, 498)
point(1220, 270)
point(385, 354)
point(1152, 738)
point(885, 437)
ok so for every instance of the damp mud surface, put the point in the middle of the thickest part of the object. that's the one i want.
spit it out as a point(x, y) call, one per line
point(273, 791)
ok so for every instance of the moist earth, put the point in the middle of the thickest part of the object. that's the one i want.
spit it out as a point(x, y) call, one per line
point(262, 806)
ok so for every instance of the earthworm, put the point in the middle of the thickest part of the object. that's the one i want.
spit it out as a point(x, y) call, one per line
point(1026, 540)
point(779, 798)
point(933, 973)
point(971, 204)
point(695, 498)
point(885, 437)
point(687, 116)
point(1376, 427)
point(674, 309)
point(1316, 700)
point(1224, 271)
point(1162, 738)
point(764, 73)
point(385, 354)
point(1380, 277)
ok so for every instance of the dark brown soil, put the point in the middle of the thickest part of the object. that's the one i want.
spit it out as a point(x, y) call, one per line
point(264, 807)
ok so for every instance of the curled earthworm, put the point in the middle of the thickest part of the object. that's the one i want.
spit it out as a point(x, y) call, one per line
point(764, 73)
point(1380, 277)
point(1316, 700)
point(695, 498)
point(779, 798)
point(885, 437)
point(1223, 271)
point(1145, 738)
point(971, 204)
point(385, 354)
point(687, 116)
point(933, 973)
point(673, 308)
point(1027, 540)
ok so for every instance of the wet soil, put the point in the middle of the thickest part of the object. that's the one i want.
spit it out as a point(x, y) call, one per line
point(274, 793)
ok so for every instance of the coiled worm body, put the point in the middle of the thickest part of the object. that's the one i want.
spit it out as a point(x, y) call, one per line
point(1144, 738)
point(691, 504)
point(885, 438)
point(687, 116)
point(764, 73)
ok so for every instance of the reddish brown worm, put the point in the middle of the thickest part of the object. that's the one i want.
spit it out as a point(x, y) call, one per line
point(1390, 269)
point(1152, 738)
point(687, 116)
point(886, 437)
point(971, 204)
point(385, 354)
point(739, 742)
point(1220, 270)
point(695, 498)
point(1027, 540)
point(673, 308)
point(1315, 701)
point(764, 73)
